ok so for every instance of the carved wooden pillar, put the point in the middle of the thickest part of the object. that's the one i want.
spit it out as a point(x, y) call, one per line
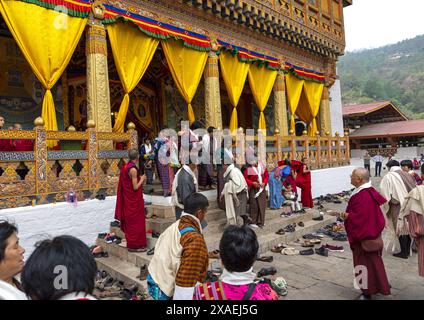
point(98, 96)
point(133, 143)
point(280, 105)
point(212, 92)
point(92, 154)
point(324, 111)
point(40, 155)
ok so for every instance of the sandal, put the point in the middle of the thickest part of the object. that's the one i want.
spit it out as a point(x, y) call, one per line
point(278, 248)
point(315, 241)
point(281, 232)
point(214, 254)
point(270, 271)
point(308, 244)
point(265, 259)
point(290, 251)
point(138, 250)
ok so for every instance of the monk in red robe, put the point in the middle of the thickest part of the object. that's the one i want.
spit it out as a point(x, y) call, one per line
point(364, 223)
point(303, 181)
point(130, 205)
point(5, 144)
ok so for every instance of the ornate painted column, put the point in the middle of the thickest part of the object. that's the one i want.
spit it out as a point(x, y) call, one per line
point(40, 155)
point(98, 95)
point(324, 112)
point(280, 105)
point(212, 92)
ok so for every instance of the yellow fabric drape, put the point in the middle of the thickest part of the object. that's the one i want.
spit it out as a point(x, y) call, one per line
point(132, 51)
point(47, 39)
point(313, 92)
point(294, 90)
point(261, 81)
point(187, 66)
point(234, 73)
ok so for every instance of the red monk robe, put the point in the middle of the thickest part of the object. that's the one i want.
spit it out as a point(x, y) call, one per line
point(365, 221)
point(303, 181)
point(130, 209)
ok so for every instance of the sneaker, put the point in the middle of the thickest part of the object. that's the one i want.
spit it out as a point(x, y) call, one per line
point(115, 223)
point(332, 248)
point(322, 251)
point(253, 226)
point(280, 286)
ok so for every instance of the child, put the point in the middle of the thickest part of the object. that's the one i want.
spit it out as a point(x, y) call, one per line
point(291, 199)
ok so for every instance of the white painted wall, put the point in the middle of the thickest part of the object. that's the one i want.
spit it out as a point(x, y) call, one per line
point(84, 221)
point(336, 110)
point(331, 180)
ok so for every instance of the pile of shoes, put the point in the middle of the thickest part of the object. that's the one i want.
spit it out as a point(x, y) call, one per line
point(107, 287)
point(112, 238)
point(335, 235)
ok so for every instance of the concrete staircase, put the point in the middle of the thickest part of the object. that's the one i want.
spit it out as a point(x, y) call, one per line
point(125, 266)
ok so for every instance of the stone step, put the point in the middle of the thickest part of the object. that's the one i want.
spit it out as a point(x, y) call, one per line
point(135, 258)
point(122, 271)
point(266, 241)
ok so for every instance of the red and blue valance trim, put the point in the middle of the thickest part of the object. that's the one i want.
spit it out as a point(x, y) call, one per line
point(246, 55)
point(158, 29)
point(303, 73)
point(74, 8)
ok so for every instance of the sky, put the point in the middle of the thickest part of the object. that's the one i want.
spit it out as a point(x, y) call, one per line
point(375, 23)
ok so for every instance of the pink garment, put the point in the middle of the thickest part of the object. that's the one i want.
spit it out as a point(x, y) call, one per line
point(233, 292)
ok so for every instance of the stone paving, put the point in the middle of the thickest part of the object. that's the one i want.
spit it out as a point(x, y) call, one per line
point(323, 278)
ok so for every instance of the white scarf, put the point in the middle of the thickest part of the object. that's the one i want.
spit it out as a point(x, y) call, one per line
point(360, 188)
point(194, 218)
point(229, 153)
point(9, 292)
point(238, 278)
point(148, 148)
point(174, 195)
point(258, 171)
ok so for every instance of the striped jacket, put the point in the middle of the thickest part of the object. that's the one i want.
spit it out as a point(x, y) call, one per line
point(194, 257)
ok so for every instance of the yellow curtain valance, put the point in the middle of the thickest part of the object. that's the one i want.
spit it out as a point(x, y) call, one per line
point(309, 104)
point(261, 81)
point(132, 51)
point(294, 88)
point(234, 74)
point(47, 49)
point(187, 68)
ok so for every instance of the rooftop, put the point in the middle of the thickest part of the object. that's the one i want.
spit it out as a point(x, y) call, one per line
point(358, 110)
point(399, 128)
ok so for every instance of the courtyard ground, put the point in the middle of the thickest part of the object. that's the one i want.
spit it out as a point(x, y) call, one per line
point(326, 278)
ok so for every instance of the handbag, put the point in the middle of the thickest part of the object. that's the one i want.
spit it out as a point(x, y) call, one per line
point(373, 245)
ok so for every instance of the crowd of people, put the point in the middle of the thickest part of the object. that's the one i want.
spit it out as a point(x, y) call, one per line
point(391, 218)
point(15, 144)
